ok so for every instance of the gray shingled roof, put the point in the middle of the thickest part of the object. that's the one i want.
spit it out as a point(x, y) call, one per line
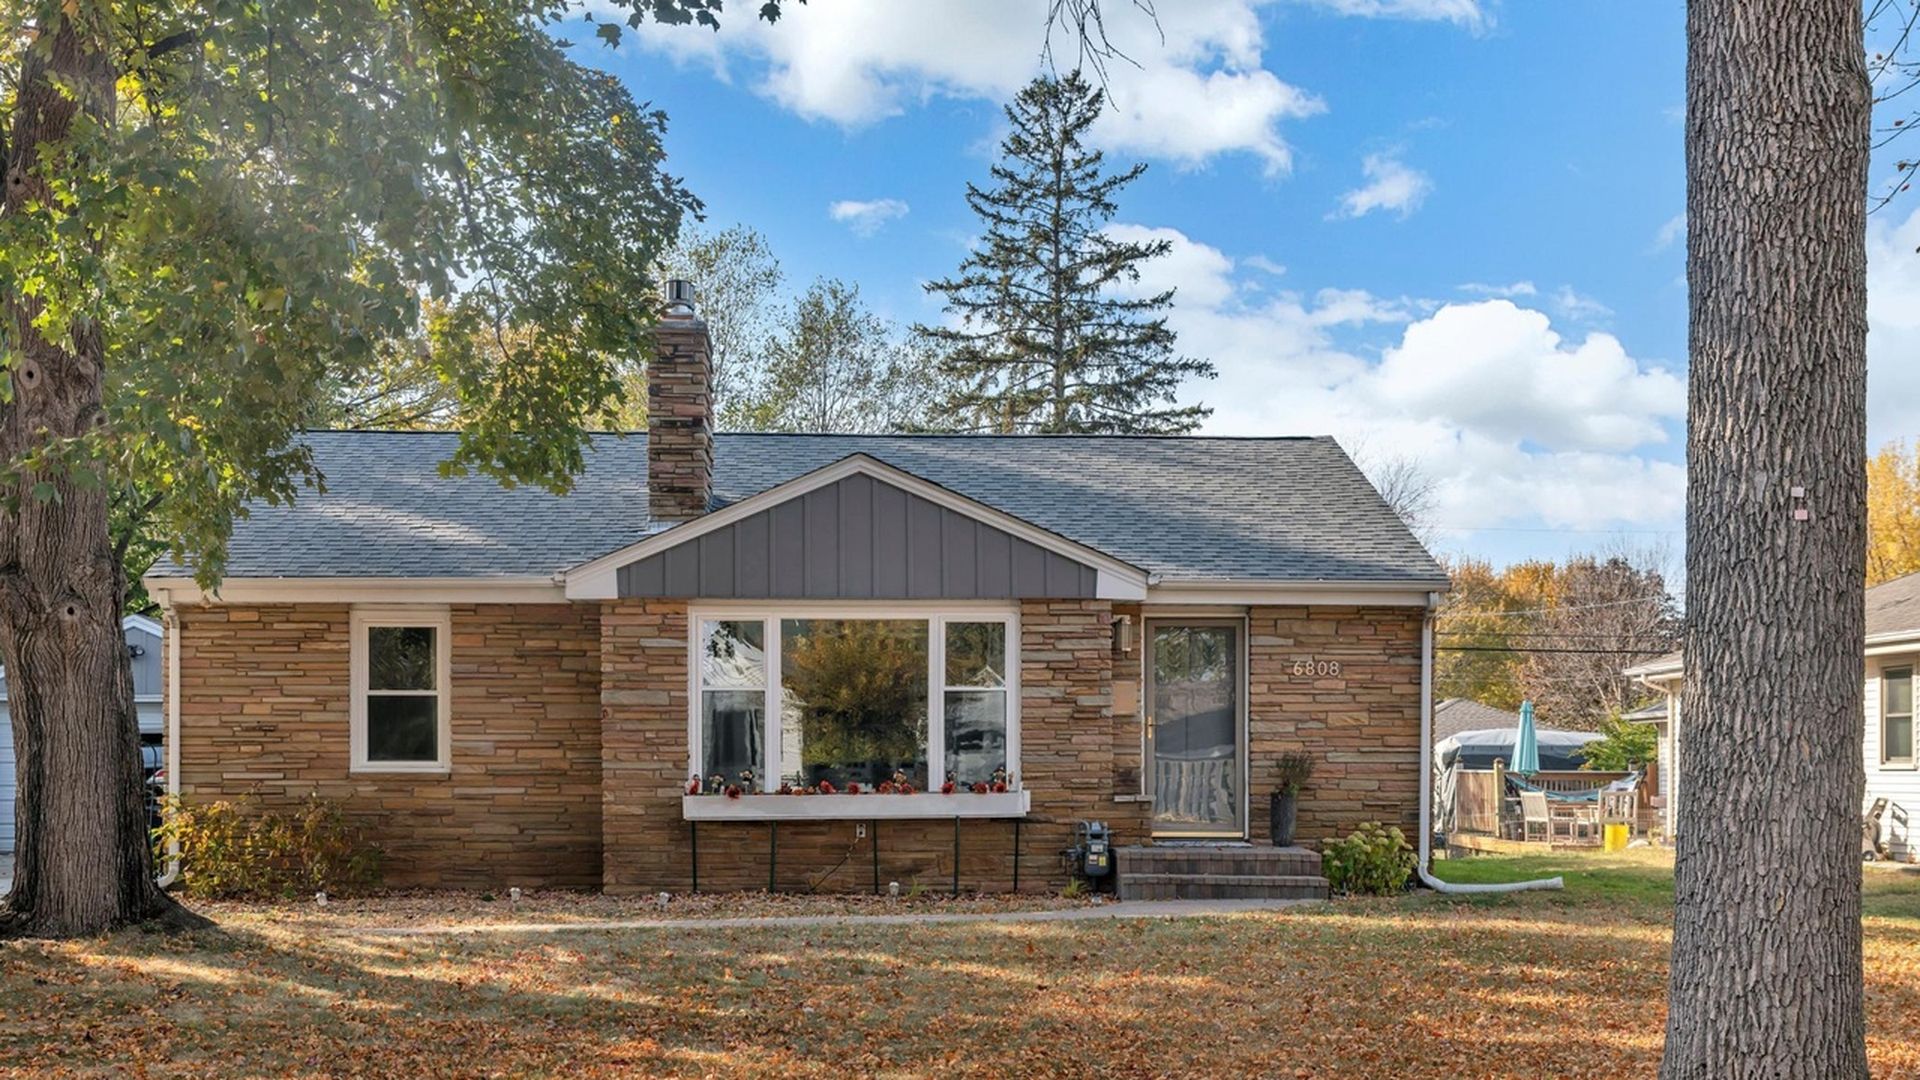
point(1456, 715)
point(1281, 510)
point(1893, 607)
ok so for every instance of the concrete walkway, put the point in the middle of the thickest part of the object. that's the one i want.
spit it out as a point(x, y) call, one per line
point(1133, 909)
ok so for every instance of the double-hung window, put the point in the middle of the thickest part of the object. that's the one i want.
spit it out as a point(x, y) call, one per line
point(401, 709)
point(819, 697)
point(1896, 717)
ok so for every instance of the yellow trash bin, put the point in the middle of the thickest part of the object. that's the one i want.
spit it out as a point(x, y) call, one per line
point(1614, 837)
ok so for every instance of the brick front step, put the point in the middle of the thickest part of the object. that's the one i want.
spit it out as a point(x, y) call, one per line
point(1139, 886)
point(1223, 859)
point(1224, 872)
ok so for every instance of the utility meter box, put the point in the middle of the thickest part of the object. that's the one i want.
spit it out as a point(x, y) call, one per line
point(1093, 849)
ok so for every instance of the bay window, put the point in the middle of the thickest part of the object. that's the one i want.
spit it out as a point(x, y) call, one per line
point(831, 697)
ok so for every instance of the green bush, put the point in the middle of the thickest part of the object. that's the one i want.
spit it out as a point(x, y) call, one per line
point(230, 849)
point(1624, 745)
point(1375, 860)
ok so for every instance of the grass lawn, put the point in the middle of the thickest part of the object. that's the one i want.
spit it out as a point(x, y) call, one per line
point(1541, 985)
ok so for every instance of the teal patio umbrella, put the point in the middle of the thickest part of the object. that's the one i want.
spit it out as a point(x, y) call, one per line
point(1526, 743)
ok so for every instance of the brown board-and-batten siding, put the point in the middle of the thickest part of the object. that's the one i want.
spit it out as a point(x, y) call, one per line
point(858, 538)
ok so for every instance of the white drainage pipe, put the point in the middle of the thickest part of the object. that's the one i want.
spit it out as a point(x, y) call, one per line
point(1426, 780)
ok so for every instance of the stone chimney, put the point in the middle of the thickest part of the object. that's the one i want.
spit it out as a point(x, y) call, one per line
point(679, 412)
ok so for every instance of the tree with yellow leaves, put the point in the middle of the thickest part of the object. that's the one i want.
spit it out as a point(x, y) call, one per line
point(1893, 512)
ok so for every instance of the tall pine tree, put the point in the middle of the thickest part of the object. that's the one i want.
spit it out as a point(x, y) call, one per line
point(1049, 336)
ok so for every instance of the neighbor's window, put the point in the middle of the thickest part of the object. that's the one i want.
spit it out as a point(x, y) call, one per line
point(805, 699)
point(400, 701)
point(975, 701)
point(853, 701)
point(1896, 716)
point(733, 698)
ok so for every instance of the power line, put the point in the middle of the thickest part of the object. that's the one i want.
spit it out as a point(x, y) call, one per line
point(1524, 649)
point(1497, 614)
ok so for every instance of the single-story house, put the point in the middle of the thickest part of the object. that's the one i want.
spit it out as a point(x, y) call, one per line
point(1892, 648)
point(143, 646)
point(610, 688)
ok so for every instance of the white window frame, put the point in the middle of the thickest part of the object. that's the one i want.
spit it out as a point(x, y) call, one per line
point(440, 619)
point(1910, 760)
point(936, 618)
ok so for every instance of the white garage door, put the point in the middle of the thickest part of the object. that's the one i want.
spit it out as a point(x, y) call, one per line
point(6, 779)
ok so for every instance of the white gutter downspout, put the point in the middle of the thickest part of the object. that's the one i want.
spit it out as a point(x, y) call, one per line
point(1426, 778)
point(172, 618)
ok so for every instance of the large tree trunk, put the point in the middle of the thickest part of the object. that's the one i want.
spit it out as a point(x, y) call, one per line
point(82, 861)
point(1766, 975)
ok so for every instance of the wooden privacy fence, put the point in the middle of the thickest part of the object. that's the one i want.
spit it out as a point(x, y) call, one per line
point(1479, 804)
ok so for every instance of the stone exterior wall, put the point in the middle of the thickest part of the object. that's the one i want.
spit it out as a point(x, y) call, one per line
point(570, 745)
point(264, 714)
point(1362, 725)
point(1066, 757)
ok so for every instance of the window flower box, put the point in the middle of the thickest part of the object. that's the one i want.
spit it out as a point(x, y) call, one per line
point(866, 807)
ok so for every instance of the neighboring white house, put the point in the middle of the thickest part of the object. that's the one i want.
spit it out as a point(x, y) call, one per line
point(1892, 654)
point(143, 643)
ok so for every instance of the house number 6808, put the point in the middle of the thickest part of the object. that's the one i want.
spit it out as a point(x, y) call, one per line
point(1316, 667)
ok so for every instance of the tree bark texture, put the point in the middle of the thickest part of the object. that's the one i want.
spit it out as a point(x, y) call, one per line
point(82, 860)
point(1766, 975)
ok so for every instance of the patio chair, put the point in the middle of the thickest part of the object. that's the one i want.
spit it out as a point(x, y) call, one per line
point(1577, 817)
point(1534, 811)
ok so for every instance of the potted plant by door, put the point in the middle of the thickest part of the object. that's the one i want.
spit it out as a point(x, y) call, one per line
point(1283, 806)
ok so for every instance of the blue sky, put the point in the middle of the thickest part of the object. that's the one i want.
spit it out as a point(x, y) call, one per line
point(1442, 230)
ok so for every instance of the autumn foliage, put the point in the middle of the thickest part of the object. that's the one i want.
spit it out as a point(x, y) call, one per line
point(229, 849)
point(1893, 512)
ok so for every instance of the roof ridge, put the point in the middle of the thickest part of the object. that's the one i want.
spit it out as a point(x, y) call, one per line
point(865, 435)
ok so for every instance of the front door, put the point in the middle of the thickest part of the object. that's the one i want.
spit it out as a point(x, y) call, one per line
point(1194, 729)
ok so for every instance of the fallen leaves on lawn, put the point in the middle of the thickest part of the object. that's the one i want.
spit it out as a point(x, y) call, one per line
point(1417, 987)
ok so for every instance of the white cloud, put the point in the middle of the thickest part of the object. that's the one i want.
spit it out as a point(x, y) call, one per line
point(1201, 274)
point(1391, 185)
point(1517, 422)
point(1578, 307)
point(1198, 87)
point(866, 216)
point(1467, 13)
point(1504, 292)
point(1893, 327)
point(1502, 371)
point(1671, 231)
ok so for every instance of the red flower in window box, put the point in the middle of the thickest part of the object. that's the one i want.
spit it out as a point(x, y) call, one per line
point(904, 787)
point(979, 787)
point(885, 788)
point(947, 788)
point(787, 789)
point(693, 786)
point(826, 787)
point(999, 787)
point(853, 787)
point(733, 791)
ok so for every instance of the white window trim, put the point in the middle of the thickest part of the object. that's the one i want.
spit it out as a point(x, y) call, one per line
point(1911, 761)
point(364, 619)
point(935, 616)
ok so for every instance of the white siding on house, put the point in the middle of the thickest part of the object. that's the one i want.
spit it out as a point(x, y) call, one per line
point(1899, 785)
point(143, 635)
point(1667, 775)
